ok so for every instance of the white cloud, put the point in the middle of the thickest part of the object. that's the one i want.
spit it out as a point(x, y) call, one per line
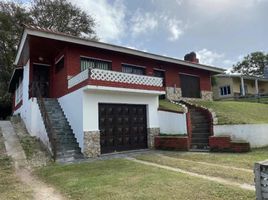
point(179, 2)
point(208, 57)
point(142, 23)
point(175, 29)
point(109, 16)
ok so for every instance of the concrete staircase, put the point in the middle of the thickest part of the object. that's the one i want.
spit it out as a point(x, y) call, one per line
point(201, 123)
point(67, 149)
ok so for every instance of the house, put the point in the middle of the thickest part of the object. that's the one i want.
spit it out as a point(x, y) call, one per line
point(231, 86)
point(95, 98)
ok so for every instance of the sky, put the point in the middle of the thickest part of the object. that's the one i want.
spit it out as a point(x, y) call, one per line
point(221, 32)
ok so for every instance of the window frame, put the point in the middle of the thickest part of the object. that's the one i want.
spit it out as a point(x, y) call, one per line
point(225, 90)
point(95, 60)
point(133, 67)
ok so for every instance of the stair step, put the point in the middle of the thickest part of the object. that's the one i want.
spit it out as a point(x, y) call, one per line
point(200, 136)
point(200, 133)
point(199, 140)
point(200, 146)
point(197, 114)
point(200, 125)
point(200, 129)
point(67, 146)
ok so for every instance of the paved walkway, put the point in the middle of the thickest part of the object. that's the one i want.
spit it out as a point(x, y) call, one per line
point(210, 178)
point(13, 147)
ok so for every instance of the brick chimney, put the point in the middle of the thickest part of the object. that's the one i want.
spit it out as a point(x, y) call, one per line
point(191, 57)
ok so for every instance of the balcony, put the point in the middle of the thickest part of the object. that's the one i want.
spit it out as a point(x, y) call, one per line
point(109, 78)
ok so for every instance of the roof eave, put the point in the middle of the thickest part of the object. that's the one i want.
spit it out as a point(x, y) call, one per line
point(21, 45)
point(81, 41)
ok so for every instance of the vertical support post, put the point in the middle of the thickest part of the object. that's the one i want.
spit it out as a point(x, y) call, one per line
point(257, 172)
point(257, 87)
point(242, 87)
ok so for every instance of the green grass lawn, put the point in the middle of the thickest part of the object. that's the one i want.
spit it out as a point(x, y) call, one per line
point(122, 179)
point(260, 100)
point(234, 112)
point(10, 187)
point(200, 168)
point(167, 105)
point(240, 160)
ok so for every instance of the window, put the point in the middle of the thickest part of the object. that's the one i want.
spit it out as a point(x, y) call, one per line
point(225, 90)
point(159, 73)
point(133, 69)
point(86, 63)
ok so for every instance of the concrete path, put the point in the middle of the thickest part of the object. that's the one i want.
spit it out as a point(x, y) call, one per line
point(13, 147)
point(210, 178)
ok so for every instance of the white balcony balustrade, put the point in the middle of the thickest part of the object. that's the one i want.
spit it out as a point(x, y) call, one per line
point(113, 76)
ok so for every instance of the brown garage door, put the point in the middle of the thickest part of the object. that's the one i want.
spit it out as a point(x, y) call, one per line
point(122, 127)
point(190, 86)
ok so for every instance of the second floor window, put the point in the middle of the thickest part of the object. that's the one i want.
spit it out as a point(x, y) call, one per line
point(133, 69)
point(225, 90)
point(86, 63)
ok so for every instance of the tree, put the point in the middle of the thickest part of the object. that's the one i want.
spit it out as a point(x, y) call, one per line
point(58, 15)
point(252, 64)
point(12, 15)
point(62, 16)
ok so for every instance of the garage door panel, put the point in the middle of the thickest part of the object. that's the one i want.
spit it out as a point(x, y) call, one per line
point(123, 127)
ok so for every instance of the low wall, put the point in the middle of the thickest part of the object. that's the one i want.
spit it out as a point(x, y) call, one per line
point(177, 143)
point(255, 134)
point(172, 123)
point(31, 116)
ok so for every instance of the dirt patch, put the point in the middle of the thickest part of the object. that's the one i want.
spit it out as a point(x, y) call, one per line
point(35, 152)
point(40, 190)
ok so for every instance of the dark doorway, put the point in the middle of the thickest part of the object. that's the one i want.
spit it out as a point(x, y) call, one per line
point(122, 127)
point(41, 80)
point(190, 86)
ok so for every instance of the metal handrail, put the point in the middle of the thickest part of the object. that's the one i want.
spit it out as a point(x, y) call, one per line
point(50, 131)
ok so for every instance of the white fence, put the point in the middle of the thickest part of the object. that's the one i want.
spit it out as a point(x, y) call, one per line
point(113, 76)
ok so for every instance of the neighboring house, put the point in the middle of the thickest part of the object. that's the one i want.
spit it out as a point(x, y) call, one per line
point(104, 95)
point(230, 86)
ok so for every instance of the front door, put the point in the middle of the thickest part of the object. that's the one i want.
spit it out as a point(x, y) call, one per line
point(122, 127)
point(41, 80)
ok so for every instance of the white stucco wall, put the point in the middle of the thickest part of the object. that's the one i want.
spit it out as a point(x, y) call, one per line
point(72, 105)
point(172, 123)
point(93, 98)
point(255, 134)
point(30, 113)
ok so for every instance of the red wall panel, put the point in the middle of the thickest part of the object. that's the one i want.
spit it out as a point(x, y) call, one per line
point(72, 53)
